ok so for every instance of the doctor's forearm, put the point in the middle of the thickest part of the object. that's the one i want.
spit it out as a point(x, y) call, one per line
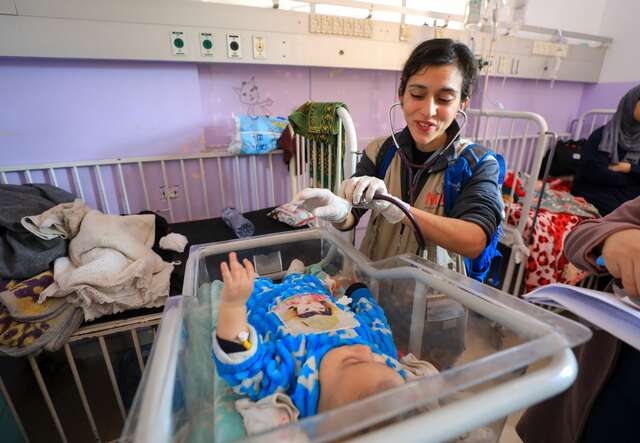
point(456, 235)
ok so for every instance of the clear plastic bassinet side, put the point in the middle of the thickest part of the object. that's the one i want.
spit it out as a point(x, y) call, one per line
point(481, 339)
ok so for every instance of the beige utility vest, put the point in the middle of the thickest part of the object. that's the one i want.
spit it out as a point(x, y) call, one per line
point(383, 239)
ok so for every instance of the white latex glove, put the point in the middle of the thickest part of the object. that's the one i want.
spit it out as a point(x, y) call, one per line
point(323, 204)
point(360, 190)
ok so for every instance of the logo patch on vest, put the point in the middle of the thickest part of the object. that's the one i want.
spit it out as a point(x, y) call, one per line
point(433, 199)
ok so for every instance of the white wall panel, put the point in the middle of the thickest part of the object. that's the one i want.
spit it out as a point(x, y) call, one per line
point(141, 30)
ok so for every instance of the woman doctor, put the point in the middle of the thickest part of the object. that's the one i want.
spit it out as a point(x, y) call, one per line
point(453, 193)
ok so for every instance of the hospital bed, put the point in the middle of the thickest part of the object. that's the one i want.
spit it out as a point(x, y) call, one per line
point(549, 223)
point(180, 400)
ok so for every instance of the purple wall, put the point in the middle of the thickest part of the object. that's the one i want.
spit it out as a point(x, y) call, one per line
point(57, 111)
point(558, 104)
point(367, 93)
point(604, 95)
point(85, 110)
point(65, 110)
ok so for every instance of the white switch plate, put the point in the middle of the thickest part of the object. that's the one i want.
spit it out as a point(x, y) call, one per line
point(550, 48)
point(234, 46)
point(503, 64)
point(178, 43)
point(259, 47)
point(206, 44)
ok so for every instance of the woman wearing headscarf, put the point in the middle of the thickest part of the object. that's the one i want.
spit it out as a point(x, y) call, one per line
point(609, 170)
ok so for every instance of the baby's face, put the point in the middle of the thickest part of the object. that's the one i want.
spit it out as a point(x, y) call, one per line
point(349, 373)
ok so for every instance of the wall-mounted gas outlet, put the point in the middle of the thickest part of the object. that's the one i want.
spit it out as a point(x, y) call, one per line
point(169, 192)
point(234, 48)
point(206, 44)
point(178, 43)
point(259, 47)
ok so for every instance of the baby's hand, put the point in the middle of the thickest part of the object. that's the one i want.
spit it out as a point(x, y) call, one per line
point(238, 280)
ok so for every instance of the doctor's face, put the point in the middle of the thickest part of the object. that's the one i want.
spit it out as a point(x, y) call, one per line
point(430, 103)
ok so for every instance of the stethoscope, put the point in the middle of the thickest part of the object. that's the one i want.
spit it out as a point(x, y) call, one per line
point(415, 178)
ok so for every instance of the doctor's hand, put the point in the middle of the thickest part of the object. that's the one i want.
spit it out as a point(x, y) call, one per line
point(621, 252)
point(323, 204)
point(360, 190)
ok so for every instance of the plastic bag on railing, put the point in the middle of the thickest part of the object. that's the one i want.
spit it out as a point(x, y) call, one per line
point(256, 134)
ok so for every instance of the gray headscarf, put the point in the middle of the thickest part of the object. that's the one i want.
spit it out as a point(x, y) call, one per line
point(623, 129)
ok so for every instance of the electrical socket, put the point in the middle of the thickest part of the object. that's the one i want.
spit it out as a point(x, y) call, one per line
point(170, 192)
point(259, 47)
point(234, 48)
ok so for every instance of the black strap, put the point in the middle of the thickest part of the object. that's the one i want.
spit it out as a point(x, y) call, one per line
point(230, 347)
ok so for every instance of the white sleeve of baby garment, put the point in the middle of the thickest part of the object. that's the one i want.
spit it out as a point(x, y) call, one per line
point(235, 357)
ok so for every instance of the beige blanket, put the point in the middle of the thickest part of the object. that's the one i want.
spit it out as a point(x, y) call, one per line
point(110, 265)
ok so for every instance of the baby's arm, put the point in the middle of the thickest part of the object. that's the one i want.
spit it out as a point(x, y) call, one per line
point(263, 368)
point(238, 284)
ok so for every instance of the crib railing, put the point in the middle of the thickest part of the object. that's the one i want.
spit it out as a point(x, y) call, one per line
point(522, 139)
point(590, 120)
point(64, 417)
point(307, 168)
point(183, 187)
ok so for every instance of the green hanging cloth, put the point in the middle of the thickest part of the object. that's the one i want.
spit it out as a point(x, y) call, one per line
point(319, 122)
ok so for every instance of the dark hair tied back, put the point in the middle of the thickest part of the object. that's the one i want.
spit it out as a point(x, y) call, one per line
point(438, 52)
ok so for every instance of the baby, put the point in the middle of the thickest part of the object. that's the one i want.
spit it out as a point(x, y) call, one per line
point(295, 338)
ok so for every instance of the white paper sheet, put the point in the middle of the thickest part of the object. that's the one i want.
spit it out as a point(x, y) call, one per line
point(599, 308)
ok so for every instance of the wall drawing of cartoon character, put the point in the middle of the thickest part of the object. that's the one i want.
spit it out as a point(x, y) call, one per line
point(249, 95)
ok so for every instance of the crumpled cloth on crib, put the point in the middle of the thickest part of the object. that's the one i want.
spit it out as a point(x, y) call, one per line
point(174, 242)
point(267, 413)
point(417, 368)
point(111, 266)
point(21, 254)
point(26, 326)
point(61, 221)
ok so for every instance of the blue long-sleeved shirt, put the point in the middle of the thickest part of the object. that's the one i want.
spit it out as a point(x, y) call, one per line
point(603, 188)
point(292, 326)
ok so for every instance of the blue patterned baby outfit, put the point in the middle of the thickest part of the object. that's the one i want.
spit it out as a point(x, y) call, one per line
point(292, 326)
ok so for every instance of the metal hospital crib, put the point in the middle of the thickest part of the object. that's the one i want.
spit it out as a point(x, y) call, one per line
point(480, 382)
point(80, 394)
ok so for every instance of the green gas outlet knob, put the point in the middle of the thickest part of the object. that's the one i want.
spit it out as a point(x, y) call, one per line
point(207, 44)
point(178, 42)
